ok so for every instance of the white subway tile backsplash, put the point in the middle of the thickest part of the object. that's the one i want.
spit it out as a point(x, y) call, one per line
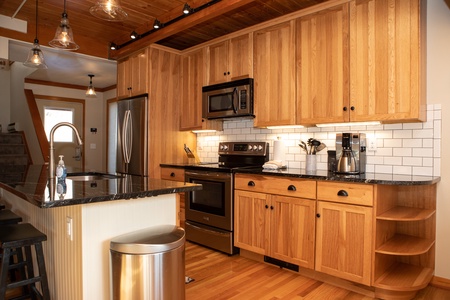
point(403, 148)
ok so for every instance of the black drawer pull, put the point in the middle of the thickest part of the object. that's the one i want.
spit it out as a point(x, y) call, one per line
point(342, 193)
point(172, 174)
point(292, 188)
point(318, 215)
point(251, 183)
point(266, 206)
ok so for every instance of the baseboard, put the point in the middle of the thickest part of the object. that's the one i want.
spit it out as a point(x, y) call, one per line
point(440, 282)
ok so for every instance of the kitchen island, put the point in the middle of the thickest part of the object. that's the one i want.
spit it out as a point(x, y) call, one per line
point(80, 223)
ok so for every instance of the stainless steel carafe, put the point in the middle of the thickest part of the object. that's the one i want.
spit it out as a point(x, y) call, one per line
point(347, 162)
point(350, 153)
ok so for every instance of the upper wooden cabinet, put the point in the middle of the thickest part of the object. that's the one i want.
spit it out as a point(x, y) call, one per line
point(274, 74)
point(132, 75)
point(230, 59)
point(322, 66)
point(387, 74)
point(361, 61)
point(193, 79)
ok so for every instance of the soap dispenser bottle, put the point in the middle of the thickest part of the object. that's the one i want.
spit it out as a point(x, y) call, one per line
point(61, 171)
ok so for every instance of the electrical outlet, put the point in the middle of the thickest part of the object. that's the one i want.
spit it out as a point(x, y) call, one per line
point(69, 228)
point(372, 144)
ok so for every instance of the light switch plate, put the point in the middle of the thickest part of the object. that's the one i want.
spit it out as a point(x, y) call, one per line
point(372, 144)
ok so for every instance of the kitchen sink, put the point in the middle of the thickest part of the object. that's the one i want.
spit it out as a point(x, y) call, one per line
point(91, 176)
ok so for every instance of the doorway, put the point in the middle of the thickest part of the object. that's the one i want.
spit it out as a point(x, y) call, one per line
point(54, 110)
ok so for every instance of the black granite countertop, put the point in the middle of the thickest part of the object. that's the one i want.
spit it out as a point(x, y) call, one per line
point(370, 178)
point(38, 190)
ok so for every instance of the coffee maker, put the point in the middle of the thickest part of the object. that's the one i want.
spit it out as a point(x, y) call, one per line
point(350, 153)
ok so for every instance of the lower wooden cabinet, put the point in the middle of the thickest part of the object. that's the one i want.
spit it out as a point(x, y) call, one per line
point(176, 174)
point(344, 241)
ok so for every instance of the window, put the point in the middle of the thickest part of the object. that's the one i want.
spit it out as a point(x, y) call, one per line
point(53, 116)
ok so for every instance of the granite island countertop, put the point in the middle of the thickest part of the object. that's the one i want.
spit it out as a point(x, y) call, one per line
point(369, 178)
point(39, 191)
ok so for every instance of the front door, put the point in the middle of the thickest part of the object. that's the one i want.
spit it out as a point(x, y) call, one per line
point(65, 141)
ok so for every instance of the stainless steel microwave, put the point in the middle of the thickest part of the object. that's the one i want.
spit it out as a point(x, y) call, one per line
point(228, 100)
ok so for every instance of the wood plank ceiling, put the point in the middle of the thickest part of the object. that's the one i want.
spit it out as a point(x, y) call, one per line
point(94, 35)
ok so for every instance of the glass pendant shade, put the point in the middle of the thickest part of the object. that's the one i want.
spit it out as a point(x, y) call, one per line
point(90, 93)
point(64, 37)
point(35, 57)
point(109, 10)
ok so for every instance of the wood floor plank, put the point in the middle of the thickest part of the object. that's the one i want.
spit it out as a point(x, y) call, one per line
point(218, 276)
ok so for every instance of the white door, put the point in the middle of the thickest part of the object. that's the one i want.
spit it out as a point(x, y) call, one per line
point(65, 141)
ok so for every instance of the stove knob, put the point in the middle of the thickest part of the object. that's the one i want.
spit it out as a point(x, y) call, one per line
point(260, 147)
point(250, 147)
point(225, 147)
point(221, 147)
point(255, 148)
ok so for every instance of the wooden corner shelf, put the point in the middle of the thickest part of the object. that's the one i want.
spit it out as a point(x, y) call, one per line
point(404, 278)
point(401, 244)
point(401, 213)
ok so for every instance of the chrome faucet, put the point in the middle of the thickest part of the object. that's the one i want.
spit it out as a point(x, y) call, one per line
point(51, 165)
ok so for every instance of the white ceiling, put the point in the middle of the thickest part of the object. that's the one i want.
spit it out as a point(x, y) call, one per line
point(66, 66)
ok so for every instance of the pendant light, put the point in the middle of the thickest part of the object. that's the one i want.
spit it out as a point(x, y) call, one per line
point(108, 10)
point(90, 93)
point(64, 36)
point(35, 56)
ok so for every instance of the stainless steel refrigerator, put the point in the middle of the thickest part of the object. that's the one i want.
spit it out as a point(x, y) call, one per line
point(132, 136)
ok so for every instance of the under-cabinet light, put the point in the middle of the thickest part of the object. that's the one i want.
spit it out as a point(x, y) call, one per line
point(285, 127)
point(204, 131)
point(349, 124)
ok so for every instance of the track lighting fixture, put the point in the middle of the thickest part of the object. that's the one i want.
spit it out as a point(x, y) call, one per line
point(108, 10)
point(113, 46)
point(186, 9)
point(35, 56)
point(157, 24)
point(90, 93)
point(134, 35)
point(64, 36)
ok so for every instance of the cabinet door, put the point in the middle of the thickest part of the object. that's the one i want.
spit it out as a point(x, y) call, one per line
point(123, 78)
point(193, 80)
point(218, 63)
point(274, 73)
point(251, 228)
point(139, 73)
point(322, 66)
point(292, 230)
point(344, 241)
point(386, 79)
point(240, 61)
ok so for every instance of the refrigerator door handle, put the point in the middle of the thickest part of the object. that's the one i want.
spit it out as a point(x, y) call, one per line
point(130, 136)
point(125, 137)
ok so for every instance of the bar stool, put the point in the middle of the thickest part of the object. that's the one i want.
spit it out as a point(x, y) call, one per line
point(8, 217)
point(14, 238)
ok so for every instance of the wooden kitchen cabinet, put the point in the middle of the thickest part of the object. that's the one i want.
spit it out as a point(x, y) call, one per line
point(176, 174)
point(193, 79)
point(387, 55)
point(344, 230)
point(274, 75)
point(278, 226)
point(405, 240)
point(132, 75)
point(322, 66)
point(230, 60)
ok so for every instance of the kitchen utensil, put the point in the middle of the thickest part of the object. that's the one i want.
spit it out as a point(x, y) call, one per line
point(320, 147)
point(303, 146)
point(314, 145)
point(188, 152)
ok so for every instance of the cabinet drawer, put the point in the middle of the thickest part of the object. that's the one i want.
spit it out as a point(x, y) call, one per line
point(292, 187)
point(174, 174)
point(351, 193)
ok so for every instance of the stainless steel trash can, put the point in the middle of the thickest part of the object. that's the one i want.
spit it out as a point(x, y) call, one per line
point(148, 264)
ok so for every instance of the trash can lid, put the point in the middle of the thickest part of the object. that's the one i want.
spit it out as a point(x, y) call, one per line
point(149, 240)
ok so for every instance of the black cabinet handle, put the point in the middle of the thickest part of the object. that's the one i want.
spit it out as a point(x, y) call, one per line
point(292, 188)
point(318, 215)
point(271, 207)
point(251, 183)
point(352, 108)
point(345, 108)
point(172, 174)
point(342, 193)
point(266, 206)
point(224, 73)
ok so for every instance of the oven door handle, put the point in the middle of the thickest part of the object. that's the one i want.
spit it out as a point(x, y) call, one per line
point(203, 175)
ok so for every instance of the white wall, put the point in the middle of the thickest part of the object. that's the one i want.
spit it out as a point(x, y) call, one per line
point(4, 98)
point(438, 91)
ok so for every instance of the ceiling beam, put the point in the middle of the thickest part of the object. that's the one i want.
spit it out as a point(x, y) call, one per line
point(204, 15)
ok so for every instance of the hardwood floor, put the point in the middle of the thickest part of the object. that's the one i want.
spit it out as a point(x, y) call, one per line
point(219, 276)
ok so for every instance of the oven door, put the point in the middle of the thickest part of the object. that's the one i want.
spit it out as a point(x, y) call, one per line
point(213, 205)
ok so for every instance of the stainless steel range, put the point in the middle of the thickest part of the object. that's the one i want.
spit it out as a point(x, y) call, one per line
point(209, 212)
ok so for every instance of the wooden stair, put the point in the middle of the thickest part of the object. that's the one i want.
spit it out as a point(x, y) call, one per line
point(14, 157)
